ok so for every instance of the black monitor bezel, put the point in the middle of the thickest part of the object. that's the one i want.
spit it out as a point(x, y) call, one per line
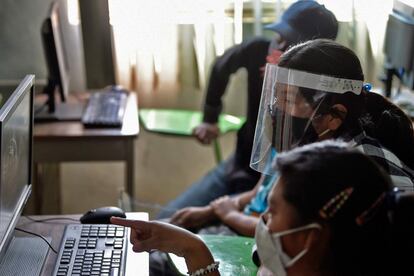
point(55, 55)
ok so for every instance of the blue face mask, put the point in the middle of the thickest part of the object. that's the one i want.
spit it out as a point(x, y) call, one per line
point(269, 248)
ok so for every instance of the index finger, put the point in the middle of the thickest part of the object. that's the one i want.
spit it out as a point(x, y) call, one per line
point(127, 222)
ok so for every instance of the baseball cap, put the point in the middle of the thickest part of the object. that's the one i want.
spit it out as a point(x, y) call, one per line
point(305, 20)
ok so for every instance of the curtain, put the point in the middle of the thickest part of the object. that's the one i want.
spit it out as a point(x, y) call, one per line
point(159, 46)
point(151, 41)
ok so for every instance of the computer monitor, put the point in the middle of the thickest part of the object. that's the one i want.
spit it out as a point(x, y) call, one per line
point(399, 45)
point(58, 71)
point(16, 124)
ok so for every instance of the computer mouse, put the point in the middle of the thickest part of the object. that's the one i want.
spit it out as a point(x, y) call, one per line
point(101, 215)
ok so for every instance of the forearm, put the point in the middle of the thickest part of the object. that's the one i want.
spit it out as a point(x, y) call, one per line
point(224, 66)
point(216, 88)
point(199, 256)
point(244, 198)
point(243, 224)
point(210, 216)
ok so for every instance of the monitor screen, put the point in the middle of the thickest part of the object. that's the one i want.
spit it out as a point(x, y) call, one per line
point(53, 47)
point(399, 46)
point(16, 123)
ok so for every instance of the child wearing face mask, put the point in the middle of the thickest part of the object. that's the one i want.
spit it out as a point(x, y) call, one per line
point(321, 220)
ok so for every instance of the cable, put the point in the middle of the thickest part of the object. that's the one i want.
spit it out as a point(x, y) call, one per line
point(37, 235)
point(50, 219)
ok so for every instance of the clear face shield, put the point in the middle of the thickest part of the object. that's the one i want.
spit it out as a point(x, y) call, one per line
point(290, 107)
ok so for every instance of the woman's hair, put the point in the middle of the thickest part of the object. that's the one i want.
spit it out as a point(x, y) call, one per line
point(391, 126)
point(367, 111)
point(340, 187)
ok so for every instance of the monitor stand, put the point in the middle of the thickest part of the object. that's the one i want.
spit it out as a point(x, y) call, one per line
point(63, 112)
point(24, 256)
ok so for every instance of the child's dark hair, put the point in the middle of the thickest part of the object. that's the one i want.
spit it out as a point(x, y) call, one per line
point(363, 240)
point(373, 113)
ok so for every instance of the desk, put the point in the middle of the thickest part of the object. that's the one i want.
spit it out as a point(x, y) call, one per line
point(55, 229)
point(69, 141)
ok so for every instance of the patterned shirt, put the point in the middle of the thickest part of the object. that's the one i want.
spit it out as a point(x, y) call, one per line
point(401, 175)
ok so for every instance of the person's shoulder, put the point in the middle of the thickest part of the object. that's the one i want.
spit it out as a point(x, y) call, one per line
point(255, 49)
point(256, 42)
point(254, 45)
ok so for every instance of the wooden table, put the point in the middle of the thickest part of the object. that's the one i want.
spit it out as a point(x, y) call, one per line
point(69, 141)
point(55, 228)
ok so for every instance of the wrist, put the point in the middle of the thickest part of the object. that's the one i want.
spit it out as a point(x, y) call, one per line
point(237, 203)
point(211, 113)
point(197, 255)
point(210, 212)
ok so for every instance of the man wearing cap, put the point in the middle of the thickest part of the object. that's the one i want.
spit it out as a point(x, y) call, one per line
point(303, 20)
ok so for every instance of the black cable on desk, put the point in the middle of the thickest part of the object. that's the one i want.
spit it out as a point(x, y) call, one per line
point(37, 235)
point(50, 219)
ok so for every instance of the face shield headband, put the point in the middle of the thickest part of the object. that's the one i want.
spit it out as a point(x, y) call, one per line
point(289, 107)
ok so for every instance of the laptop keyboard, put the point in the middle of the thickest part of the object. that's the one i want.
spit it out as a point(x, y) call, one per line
point(92, 250)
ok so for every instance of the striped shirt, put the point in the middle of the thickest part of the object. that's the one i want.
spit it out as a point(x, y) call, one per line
point(401, 175)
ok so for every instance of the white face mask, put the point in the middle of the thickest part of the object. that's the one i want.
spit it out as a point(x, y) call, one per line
point(270, 249)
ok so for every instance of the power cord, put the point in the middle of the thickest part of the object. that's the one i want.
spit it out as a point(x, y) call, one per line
point(51, 219)
point(37, 235)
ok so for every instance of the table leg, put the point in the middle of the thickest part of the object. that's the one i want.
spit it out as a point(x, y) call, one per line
point(48, 192)
point(129, 168)
point(33, 205)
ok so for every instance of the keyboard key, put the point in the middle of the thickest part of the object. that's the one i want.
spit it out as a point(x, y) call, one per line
point(107, 254)
point(109, 242)
point(115, 271)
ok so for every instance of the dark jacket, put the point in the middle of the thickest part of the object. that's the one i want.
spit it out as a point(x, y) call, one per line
point(250, 55)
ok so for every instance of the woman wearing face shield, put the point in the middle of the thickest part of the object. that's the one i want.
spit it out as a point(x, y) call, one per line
point(316, 92)
point(321, 220)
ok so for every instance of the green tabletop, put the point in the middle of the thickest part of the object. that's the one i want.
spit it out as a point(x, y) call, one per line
point(182, 122)
point(233, 253)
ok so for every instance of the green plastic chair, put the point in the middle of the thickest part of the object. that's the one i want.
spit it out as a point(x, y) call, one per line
point(181, 123)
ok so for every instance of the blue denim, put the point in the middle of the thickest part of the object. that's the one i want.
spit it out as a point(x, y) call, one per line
point(220, 181)
point(202, 192)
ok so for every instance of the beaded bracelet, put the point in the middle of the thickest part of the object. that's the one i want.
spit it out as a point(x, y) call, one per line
point(203, 271)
